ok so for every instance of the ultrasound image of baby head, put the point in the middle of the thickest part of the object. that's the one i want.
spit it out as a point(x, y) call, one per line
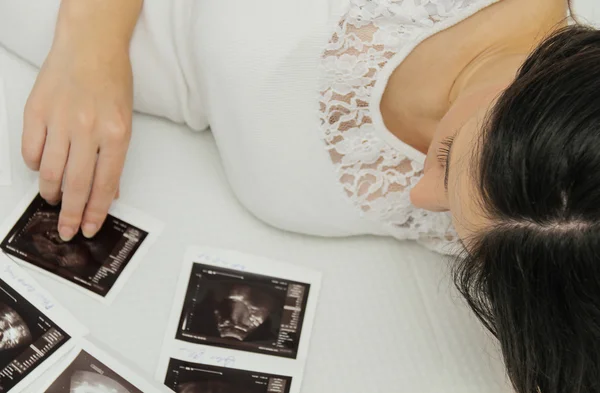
point(212, 387)
point(42, 230)
point(242, 309)
point(13, 329)
point(89, 382)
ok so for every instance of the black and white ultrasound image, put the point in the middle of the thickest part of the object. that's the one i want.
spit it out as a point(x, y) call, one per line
point(245, 311)
point(27, 337)
point(186, 377)
point(94, 264)
point(88, 375)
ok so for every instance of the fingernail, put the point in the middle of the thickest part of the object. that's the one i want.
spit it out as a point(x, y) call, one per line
point(89, 229)
point(66, 233)
point(53, 203)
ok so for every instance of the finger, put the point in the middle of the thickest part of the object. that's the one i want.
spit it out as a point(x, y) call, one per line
point(104, 188)
point(52, 167)
point(78, 180)
point(33, 139)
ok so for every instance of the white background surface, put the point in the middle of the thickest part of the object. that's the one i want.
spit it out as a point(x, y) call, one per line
point(388, 319)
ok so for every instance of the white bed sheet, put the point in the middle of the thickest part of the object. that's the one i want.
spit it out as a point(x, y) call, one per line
point(388, 319)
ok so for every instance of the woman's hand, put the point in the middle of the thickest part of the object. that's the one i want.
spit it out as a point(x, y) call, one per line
point(77, 121)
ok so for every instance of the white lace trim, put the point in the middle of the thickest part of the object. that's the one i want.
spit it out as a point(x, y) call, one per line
point(375, 175)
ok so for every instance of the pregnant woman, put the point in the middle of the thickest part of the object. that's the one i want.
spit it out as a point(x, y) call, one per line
point(471, 126)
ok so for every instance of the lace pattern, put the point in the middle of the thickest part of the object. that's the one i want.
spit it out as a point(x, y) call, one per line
point(376, 176)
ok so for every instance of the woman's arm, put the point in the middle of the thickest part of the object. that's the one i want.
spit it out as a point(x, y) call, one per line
point(106, 23)
point(77, 121)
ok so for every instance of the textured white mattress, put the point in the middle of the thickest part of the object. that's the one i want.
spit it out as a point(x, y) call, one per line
point(388, 320)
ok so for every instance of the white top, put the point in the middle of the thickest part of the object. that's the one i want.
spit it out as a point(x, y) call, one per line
point(291, 91)
point(279, 71)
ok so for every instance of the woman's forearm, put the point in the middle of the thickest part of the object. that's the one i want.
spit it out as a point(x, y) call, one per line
point(98, 23)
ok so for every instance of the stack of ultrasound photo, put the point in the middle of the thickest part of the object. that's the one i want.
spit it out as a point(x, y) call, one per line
point(240, 324)
point(35, 332)
point(248, 318)
point(35, 350)
point(28, 337)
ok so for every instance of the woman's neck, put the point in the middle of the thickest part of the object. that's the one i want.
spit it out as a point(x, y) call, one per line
point(500, 61)
point(490, 48)
point(493, 67)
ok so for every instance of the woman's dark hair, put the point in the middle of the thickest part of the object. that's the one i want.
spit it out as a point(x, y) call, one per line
point(533, 276)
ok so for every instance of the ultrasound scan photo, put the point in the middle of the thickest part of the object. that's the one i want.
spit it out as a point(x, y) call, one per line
point(27, 337)
point(88, 375)
point(94, 264)
point(244, 311)
point(186, 377)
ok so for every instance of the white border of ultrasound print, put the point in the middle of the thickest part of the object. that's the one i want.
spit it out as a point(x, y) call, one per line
point(237, 359)
point(18, 279)
point(125, 213)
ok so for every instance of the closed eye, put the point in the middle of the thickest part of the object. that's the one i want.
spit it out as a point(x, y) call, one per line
point(443, 157)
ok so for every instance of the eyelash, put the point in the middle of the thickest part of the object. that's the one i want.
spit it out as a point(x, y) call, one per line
point(443, 156)
point(444, 151)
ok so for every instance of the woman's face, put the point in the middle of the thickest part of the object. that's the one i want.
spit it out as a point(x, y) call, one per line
point(448, 182)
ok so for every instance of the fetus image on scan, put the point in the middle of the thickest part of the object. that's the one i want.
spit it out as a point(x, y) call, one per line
point(212, 387)
point(241, 310)
point(14, 332)
point(237, 310)
point(42, 233)
point(90, 382)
